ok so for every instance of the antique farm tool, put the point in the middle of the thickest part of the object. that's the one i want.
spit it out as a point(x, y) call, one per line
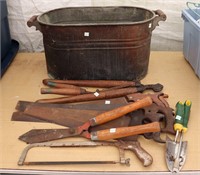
point(121, 145)
point(73, 115)
point(110, 84)
point(34, 136)
point(99, 105)
point(108, 94)
point(42, 135)
point(176, 151)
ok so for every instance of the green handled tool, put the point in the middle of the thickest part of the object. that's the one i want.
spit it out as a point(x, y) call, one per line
point(187, 105)
point(179, 120)
point(176, 150)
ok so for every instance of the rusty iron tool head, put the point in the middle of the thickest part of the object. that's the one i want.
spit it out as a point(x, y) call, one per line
point(149, 114)
point(158, 111)
point(155, 87)
point(98, 105)
point(158, 98)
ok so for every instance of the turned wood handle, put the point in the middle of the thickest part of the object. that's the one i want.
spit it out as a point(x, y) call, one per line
point(118, 112)
point(62, 91)
point(114, 133)
point(93, 83)
point(60, 85)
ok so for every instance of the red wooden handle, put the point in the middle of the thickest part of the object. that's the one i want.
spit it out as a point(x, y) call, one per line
point(115, 133)
point(60, 85)
point(118, 112)
point(93, 83)
point(62, 91)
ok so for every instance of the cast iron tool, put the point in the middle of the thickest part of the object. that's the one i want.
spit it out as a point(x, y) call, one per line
point(42, 135)
point(154, 113)
point(176, 151)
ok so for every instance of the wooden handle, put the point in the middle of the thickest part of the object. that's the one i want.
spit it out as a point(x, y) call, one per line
point(118, 112)
point(115, 133)
point(60, 85)
point(93, 83)
point(62, 91)
point(92, 96)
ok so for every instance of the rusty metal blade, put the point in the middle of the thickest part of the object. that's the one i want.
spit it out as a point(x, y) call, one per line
point(100, 105)
point(43, 135)
point(64, 114)
point(21, 116)
point(172, 153)
point(61, 116)
point(71, 117)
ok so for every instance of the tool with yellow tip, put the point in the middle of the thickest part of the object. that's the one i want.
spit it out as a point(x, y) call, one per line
point(178, 126)
point(176, 150)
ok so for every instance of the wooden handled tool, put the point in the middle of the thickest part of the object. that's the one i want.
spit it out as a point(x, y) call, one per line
point(93, 96)
point(42, 135)
point(114, 133)
point(63, 91)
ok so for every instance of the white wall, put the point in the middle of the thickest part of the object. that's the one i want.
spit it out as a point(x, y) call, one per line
point(167, 36)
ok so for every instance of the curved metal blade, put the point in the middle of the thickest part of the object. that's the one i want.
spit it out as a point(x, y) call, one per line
point(181, 158)
point(172, 153)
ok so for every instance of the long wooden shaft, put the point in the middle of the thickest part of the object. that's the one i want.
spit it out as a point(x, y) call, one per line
point(114, 133)
point(62, 91)
point(93, 96)
point(93, 83)
point(118, 112)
